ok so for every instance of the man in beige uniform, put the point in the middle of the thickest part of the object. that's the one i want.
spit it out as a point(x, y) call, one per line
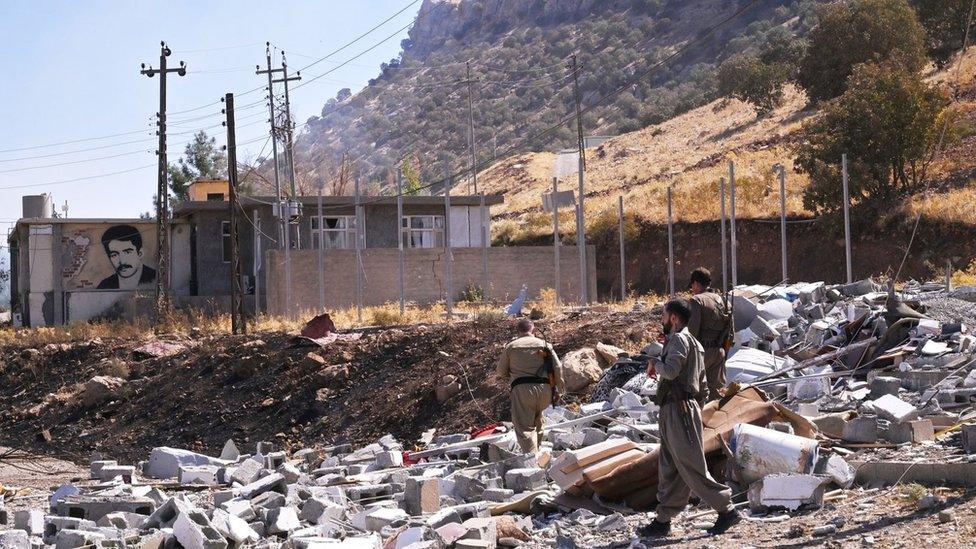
point(710, 324)
point(521, 364)
point(681, 460)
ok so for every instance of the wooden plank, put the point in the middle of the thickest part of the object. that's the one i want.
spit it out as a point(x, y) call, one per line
point(578, 459)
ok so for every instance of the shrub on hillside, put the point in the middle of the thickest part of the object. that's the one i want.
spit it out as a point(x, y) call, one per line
point(747, 78)
point(889, 122)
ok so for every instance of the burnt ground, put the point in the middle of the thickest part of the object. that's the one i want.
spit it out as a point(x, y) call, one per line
point(236, 387)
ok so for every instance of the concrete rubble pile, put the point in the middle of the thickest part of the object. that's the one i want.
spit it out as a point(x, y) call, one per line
point(828, 386)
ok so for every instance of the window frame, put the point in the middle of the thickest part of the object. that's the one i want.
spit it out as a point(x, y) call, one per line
point(438, 231)
point(317, 231)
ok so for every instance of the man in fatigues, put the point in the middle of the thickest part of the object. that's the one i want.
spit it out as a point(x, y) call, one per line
point(681, 460)
point(711, 325)
point(522, 364)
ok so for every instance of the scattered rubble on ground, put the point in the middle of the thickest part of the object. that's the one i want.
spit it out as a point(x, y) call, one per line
point(835, 391)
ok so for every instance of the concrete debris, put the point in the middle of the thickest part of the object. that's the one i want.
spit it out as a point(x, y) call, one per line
point(819, 377)
point(790, 491)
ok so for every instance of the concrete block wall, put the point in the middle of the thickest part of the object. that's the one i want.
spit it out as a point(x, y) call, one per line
point(424, 275)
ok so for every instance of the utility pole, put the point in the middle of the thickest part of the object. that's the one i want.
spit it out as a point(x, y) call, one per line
point(274, 144)
point(280, 208)
point(289, 125)
point(238, 322)
point(474, 156)
point(580, 210)
point(162, 190)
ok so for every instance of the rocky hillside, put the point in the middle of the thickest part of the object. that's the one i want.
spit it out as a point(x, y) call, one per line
point(518, 52)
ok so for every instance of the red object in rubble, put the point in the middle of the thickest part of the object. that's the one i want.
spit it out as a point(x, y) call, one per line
point(485, 431)
point(319, 327)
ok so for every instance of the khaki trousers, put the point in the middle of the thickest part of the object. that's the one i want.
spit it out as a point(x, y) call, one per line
point(681, 463)
point(715, 371)
point(528, 402)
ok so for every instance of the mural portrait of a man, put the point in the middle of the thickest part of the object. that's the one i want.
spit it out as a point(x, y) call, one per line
point(123, 245)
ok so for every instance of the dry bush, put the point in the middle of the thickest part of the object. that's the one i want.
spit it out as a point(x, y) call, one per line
point(966, 276)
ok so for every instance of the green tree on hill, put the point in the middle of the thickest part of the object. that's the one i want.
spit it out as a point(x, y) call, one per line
point(862, 31)
point(889, 122)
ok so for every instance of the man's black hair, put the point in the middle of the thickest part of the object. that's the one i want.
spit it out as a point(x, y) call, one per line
point(702, 276)
point(679, 306)
point(126, 233)
point(524, 326)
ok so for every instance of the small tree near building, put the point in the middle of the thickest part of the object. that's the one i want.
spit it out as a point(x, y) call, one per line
point(202, 159)
point(889, 123)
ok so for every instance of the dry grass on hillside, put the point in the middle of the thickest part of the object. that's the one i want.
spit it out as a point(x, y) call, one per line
point(690, 152)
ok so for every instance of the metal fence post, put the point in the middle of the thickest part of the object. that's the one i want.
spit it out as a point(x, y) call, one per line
point(256, 263)
point(671, 288)
point(448, 271)
point(359, 256)
point(847, 219)
point(400, 236)
point(555, 236)
point(321, 253)
point(782, 215)
point(725, 245)
point(623, 259)
point(734, 241)
point(484, 247)
point(581, 237)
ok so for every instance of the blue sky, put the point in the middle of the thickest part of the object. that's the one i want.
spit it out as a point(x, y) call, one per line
point(71, 72)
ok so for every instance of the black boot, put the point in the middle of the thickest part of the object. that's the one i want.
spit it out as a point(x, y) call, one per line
point(654, 529)
point(724, 522)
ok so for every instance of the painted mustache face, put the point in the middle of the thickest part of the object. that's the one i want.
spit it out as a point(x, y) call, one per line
point(125, 258)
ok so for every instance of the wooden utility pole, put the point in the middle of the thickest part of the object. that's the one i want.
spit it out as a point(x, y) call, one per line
point(162, 188)
point(238, 322)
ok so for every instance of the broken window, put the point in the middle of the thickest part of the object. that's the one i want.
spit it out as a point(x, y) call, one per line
point(336, 231)
point(423, 231)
